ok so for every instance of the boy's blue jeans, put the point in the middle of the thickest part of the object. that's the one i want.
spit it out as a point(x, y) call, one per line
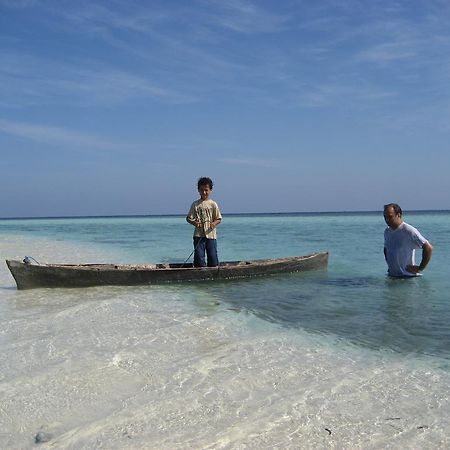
point(202, 245)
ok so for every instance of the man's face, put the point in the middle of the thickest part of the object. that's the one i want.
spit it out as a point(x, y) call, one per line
point(392, 219)
point(204, 190)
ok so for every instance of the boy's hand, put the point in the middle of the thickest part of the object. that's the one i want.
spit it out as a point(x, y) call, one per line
point(214, 224)
point(195, 222)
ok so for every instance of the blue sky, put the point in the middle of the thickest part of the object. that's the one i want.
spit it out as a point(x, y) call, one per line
point(118, 106)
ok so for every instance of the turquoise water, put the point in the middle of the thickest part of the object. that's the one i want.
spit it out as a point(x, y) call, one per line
point(353, 300)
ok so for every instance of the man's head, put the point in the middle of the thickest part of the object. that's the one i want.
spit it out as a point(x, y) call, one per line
point(393, 215)
point(204, 186)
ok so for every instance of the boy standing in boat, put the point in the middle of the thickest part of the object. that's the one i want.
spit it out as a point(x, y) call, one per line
point(204, 215)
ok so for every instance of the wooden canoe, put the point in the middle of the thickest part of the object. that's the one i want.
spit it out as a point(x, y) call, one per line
point(30, 276)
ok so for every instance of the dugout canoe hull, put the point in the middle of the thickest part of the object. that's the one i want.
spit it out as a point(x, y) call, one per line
point(28, 276)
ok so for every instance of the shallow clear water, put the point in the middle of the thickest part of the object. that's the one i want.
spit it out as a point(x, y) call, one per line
point(354, 299)
point(259, 363)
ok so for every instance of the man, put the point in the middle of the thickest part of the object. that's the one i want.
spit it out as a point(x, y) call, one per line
point(400, 242)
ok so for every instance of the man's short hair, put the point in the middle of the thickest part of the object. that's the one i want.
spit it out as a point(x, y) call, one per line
point(398, 211)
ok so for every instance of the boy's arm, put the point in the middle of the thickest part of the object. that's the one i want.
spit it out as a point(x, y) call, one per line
point(216, 222)
point(218, 217)
point(194, 222)
point(192, 217)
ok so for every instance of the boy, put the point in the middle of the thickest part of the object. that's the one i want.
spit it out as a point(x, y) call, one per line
point(204, 215)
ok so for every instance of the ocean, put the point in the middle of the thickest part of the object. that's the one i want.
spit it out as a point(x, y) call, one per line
point(345, 358)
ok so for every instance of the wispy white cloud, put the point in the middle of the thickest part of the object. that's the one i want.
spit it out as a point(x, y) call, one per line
point(339, 92)
point(254, 162)
point(183, 39)
point(97, 18)
point(388, 52)
point(27, 80)
point(153, 152)
point(58, 136)
point(110, 85)
point(240, 16)
point(243, 16)
point(17, 3)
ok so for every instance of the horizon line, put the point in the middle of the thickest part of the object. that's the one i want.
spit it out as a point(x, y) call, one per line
point(118, 216)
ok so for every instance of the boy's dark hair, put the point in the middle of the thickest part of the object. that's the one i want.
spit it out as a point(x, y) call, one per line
point(397, 210)
point(204, 180)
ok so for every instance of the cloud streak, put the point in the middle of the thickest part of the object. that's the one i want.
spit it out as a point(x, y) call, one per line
point(27, 80)
point(57, 136)
point(253, 162)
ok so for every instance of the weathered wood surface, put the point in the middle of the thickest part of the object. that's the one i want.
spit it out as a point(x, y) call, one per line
point(29, 276)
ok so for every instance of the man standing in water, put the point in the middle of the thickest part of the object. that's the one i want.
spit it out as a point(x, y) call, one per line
point(400, 242)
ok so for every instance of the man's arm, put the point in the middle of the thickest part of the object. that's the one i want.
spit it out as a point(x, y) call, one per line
point(427, 250)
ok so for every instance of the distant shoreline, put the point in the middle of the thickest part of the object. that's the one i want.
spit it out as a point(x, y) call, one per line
point(297, 213)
